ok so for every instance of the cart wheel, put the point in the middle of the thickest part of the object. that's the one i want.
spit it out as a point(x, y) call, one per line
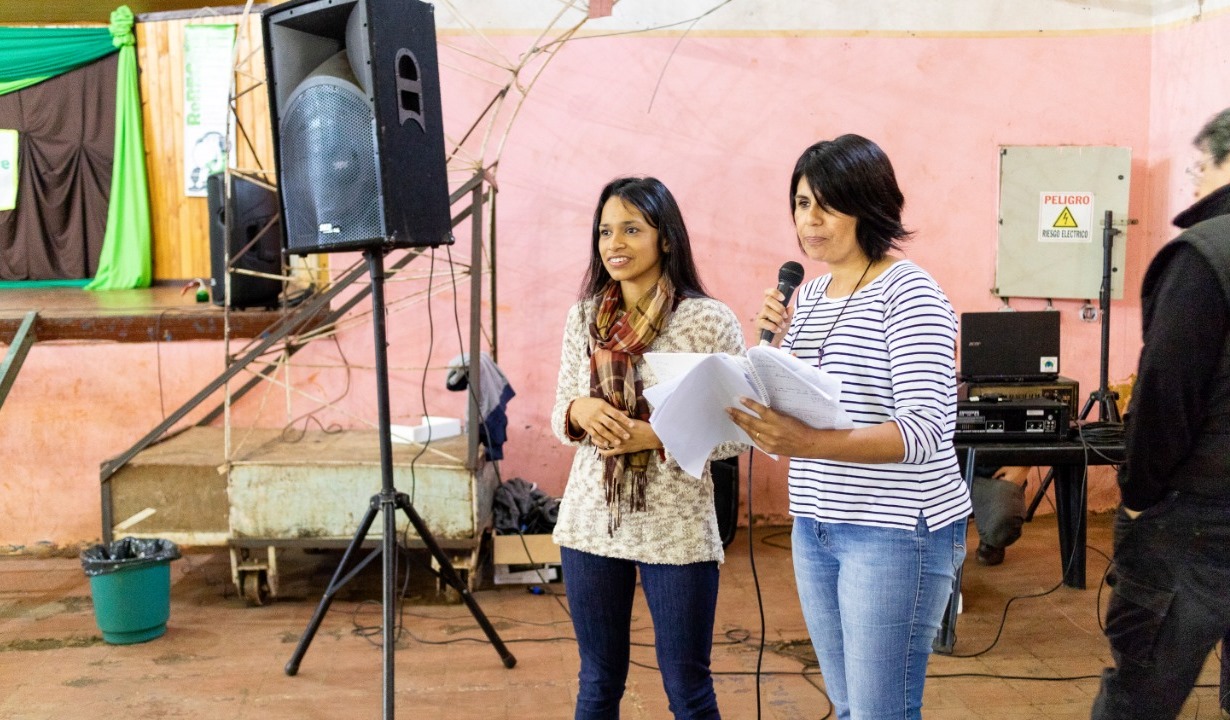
point(254, 585)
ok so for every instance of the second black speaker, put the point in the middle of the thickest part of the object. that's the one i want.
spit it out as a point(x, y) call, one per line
point(248, 214)
point(354, 89)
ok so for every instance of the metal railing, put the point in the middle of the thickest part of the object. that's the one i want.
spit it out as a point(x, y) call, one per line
point(317, 312)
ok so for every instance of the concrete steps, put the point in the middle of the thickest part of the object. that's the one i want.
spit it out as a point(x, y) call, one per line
point(305, 490)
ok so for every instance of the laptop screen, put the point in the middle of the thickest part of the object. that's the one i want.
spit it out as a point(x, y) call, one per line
point(1010, 345)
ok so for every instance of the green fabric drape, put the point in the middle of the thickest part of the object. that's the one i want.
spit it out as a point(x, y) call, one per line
point(32, 54)
point(8, 86)
point(125, 261)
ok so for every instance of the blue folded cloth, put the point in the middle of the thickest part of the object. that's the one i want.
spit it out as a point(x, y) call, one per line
point(494, 392)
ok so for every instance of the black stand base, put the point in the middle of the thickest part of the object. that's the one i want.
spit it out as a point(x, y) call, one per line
point(1108, 410)
point(341, 576)
point(1107, 402)
point(388, 502)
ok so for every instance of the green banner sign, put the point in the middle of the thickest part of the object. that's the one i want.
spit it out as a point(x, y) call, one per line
point(207, 86)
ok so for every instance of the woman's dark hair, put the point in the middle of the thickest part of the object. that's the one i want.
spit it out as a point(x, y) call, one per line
point(649, 196)
point(1215, 137)
point(853, 176)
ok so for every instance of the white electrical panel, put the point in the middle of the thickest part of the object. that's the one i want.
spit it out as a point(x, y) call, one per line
point(1052, 210)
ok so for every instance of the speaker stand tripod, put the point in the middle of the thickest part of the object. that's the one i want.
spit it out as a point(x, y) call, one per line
point(388, 502)
point(1105, 399)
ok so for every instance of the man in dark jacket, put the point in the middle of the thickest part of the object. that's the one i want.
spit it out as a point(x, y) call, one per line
point(1171, 574)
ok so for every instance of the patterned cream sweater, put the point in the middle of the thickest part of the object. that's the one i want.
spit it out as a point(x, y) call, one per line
point(680, 525)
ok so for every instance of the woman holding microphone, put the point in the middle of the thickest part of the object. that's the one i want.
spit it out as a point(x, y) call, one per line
point(879, 510)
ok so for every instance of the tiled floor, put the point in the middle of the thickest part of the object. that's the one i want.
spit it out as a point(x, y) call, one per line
point(221, 659)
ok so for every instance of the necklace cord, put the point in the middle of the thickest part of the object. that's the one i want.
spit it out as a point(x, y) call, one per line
point(842, 311)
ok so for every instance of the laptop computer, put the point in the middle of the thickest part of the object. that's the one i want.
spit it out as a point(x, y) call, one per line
point(1010, 346)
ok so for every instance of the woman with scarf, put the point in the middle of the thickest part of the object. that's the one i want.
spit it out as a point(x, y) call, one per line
point(628, 506)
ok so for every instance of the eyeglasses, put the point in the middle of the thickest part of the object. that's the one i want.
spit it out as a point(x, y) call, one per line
point(1196, 170)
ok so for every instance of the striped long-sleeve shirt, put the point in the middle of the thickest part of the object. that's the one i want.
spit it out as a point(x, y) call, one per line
point(893, 348)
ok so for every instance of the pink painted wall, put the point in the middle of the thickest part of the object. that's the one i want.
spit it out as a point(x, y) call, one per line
point(726, 123)
point(72, 407)
point(1191, 83)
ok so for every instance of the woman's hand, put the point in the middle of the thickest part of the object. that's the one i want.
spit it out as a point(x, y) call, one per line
point(640, 437)
point(773, 432)
point(780, 434)
point(605, 425)
point(774, 316)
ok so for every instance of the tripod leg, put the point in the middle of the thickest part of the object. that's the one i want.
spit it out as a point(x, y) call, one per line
point(339, 579)
point(1110, 408)
point(1033, 504)
point(388, 504)
point(1088, 406)
point(449, 574)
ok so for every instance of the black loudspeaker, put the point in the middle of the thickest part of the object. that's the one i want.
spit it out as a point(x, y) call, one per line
point(725, 475)
point(354, 91)
point(251, 213)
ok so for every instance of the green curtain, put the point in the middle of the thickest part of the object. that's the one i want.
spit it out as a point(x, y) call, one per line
point(125, 261)
point(30, 55)
point(8, 86)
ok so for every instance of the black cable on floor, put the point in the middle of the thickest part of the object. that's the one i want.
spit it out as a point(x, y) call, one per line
point(1003, 620)
point(751, 558)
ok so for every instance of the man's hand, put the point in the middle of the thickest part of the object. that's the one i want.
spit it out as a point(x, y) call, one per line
point(1013, 473)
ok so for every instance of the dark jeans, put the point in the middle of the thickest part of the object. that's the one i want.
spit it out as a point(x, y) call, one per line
point(682, 600)
point(1168, 609)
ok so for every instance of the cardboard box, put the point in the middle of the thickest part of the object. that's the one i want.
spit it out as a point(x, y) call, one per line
point(536, 575)
point(509, 550)
point(513, 565)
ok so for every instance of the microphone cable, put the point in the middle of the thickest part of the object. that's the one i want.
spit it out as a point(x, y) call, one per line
point(1067, 563)
point(751, 559)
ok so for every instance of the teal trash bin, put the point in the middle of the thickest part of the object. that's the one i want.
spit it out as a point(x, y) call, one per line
point(130, 582)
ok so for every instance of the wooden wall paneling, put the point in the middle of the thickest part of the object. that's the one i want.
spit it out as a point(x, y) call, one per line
point(150, 82)
point(162, 100)
point(181, 223)
point(252, 104)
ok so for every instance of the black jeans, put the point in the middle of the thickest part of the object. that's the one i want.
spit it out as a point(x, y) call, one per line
point(1168, 609)
point(682, 600)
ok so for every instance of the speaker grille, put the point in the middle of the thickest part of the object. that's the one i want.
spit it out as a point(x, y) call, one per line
point(332, 200)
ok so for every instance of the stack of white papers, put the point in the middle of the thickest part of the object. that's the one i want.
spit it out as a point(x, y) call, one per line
point(694, 389)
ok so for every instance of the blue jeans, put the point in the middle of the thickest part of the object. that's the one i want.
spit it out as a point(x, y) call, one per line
point(682, 600)
point(1168, 607)
point(872, 599)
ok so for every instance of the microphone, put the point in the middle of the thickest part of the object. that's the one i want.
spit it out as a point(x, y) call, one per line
point(788, 279)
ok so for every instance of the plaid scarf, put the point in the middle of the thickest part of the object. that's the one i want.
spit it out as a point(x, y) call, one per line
point(616, 340)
